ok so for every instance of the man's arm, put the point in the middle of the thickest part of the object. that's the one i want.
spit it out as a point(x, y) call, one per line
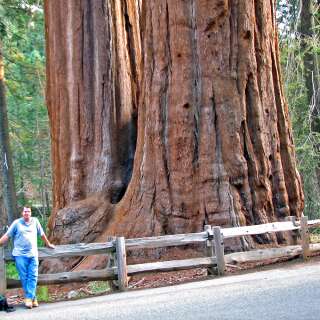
point(46, 241)
point(43, 235)
point(4, 239)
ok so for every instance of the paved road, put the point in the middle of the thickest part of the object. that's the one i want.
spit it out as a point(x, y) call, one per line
point(291, 292)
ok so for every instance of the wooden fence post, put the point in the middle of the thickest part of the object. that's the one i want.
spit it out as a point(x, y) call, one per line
point(121, 264)
point(209, 251)
point(219, 250)
point(294, 233)
point(3, 280)
point(305, 239)
point(112, 262)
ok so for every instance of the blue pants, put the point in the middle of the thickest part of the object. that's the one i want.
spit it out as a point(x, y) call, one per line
point(28, 273)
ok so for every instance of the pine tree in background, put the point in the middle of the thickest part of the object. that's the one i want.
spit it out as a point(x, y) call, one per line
point(308, 35)
point(23, 42)
point(8, 202)
point(299, 43)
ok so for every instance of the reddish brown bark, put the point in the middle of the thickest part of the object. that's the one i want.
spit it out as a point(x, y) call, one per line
point(92, 104)
point(214, 143)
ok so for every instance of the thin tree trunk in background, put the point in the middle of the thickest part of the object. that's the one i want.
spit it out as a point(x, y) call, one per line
point(311, 69)
point(8, 202)
point(47, 202)
point(213, 144)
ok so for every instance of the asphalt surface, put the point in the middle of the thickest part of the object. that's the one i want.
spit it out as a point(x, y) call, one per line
point(290, 292)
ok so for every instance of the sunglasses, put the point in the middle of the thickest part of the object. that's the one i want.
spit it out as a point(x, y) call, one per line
point(27, 211)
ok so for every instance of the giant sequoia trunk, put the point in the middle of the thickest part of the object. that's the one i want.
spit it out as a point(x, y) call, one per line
point(213, 143)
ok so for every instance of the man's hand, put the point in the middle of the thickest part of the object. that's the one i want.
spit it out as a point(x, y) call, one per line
point(50, 245)
point(4, 239)
point(47, 242)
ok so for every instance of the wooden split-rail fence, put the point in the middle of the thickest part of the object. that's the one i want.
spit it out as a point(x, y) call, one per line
point(214, 257)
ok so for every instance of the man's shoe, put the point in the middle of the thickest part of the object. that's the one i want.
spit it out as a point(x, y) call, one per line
point(35, 303)
point(28, 303)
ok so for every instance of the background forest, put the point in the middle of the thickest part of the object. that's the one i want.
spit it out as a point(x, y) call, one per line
point(22, 36)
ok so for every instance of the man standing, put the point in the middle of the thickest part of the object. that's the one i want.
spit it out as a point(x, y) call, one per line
point(24, 232)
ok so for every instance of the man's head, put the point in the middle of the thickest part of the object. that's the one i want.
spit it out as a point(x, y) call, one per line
point(26, 214)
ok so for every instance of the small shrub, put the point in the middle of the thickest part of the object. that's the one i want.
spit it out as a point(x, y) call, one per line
point(11, 271)
point(43, 293)
point(97, 287)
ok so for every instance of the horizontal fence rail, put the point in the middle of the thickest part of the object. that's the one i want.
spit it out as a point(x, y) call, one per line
point(68, 277)
point(172, 265)
point(166, 241)
point(71, 250)
point(215, 260)
point(259, 229)
point(313, 223)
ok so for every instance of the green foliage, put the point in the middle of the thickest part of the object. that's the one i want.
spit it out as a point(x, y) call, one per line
point(97, 287)
point(306, 140)
point(22, 33)
point(43, 294)
point(11, 271)
point(287, 15)
point(43, 219)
